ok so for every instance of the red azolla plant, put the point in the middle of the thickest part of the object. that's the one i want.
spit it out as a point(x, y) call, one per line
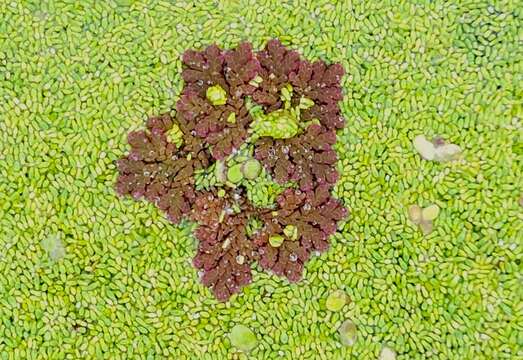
point(320, 83)
point(210, 124)
point(313, 215)
point(277, 64)
point(307, 158)
point(316, 81)
point(157, 170)
point(303, 218)
point(203, 69)
point(232, 71)
point(225, 252)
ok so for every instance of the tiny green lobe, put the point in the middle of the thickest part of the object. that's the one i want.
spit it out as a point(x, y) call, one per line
point(234, 174)
point(291, 231)
point(306, 103)
point(276, 240)
point(251, 169)
point(216, 95)
point(242, 338)
point(348, 333)
point(336, 300)
point(231, 119)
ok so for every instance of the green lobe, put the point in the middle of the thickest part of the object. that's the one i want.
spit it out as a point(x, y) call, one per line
point(348, 333)
point(234, 174)
point(291, 231)
point(251, 169)
point(242, 338)
point(276, 240)
point(231, 118)
point(279, 124)
point(175, 135)
point(306, 103)
point(216, 95)
point(336, 300)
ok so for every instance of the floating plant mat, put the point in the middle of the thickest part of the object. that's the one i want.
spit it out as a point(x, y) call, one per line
point(240, 112)
point(87, 274)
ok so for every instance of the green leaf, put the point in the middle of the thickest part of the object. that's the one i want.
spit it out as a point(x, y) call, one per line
point(216, 95)
point(336, 300)
point(291, 231)
point(276, 240)
point(231, 119)
point(251, 169)
point(234, 174)
point(348, 333)
point(242, 338)
point(306, 103)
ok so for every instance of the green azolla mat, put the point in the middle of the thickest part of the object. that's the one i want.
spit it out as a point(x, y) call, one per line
point(76, 76)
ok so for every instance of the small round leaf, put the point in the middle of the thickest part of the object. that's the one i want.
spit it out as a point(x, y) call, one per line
point(234, 174)
point(276, 240)
point(242, 338)
point(430, 213)
point(216, 95)
point(336, 300)
point(348, 333)
point(251, 169)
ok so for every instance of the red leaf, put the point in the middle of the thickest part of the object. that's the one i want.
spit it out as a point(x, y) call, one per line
point(164, 174)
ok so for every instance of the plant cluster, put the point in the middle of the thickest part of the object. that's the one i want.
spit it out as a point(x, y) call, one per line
point(249, 157)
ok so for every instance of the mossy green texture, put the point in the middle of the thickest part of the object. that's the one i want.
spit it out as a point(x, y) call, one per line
point(240, 170)
point(77, 76)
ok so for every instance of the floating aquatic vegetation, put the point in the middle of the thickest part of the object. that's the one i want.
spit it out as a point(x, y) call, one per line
point(242, 338)
point(387, 354)
point(217, 96)
point(307, 158)
point(314, 214)
point(243, 119)
point(251, 169)
point(424, 217)
point(54, 247)
point(348, 333)
point(336, 300)
point(74, 75)
point(437, 149)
